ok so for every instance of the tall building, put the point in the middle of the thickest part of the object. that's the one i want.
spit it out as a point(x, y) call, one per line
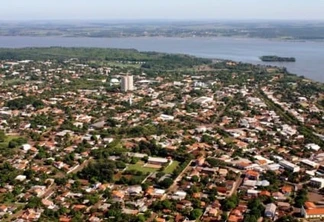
point(130, 83)
point(127, 83)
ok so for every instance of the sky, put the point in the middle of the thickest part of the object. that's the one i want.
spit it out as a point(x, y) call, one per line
point(161, 9)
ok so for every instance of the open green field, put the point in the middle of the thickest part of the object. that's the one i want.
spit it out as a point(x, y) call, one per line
point(139, 166)
point(5, 143)
point(172, 167)
point(228, 140)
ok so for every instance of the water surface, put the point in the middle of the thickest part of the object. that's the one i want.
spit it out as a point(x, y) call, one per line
point(309, 55)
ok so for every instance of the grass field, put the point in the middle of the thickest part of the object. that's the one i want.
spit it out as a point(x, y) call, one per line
point(5, 143)
point(140, 167)
point(228, 140)
point(172, 167)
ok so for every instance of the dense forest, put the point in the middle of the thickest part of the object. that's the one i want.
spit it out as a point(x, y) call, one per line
point(149, 60)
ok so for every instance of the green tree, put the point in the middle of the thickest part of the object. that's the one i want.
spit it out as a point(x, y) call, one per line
point(195, 214)
point(166, 183)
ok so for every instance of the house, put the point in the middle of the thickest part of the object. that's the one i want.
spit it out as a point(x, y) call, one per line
point(21, 178)
point(30, 215)
point(253, 193)
point(3, 208)
point(64, 219)
point(117, 195)
point(134, 190)
point(279, 196)
point(283, 206)
point(165, 117)
point(265, 193)
point(79, 207)
point(287, 190)
point(156, 192)
point(26, 147)
point(179, 195)
point(313, 146)
point(252, 175)
point(47, 203)
point(270, 210)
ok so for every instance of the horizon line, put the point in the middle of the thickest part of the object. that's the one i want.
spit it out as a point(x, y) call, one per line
point(165, 20)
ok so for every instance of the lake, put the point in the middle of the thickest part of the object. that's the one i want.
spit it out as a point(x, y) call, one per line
point(309, 55)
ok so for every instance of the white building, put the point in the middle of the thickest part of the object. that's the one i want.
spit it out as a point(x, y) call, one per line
point(127, 83)
point(289, 166)
point(310, 163)
point(165, 117)
point(317, 182)
point(313, 146)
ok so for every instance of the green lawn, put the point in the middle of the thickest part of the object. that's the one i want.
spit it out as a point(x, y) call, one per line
point(172, 167)
point(7, 140)
point(139, 166)
point(228, 140)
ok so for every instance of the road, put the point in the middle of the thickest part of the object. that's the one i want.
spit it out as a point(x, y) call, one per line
point(84, 164)
point(238, 182)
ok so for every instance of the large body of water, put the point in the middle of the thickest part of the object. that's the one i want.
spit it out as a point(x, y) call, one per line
point(309, 55)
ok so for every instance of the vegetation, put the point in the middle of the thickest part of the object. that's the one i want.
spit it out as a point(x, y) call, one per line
point(102, 171)
point(21, 103)
point(152, 60)
point(277, 59)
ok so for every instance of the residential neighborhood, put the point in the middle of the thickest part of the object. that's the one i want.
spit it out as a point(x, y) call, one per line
point(110, 142)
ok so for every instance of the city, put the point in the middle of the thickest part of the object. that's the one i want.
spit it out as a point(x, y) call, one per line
point(224, 141)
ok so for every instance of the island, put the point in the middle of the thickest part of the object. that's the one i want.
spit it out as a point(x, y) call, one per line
point(272, 58)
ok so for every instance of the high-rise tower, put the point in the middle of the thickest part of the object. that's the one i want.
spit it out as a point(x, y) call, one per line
point(127, 83)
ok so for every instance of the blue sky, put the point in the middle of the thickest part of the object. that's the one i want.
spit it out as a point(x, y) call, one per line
point(161, 9)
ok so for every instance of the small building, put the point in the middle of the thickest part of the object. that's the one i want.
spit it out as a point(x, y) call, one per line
point(270, 210)
point(252, 175)
point(179, 195)
point(309, 163)
point(165, 117)
point(26, 147)
point(289, 166)
point(313, 146)
point(157, 161)
point(317, 182)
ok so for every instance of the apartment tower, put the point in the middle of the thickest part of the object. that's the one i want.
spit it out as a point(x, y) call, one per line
point(127, 83)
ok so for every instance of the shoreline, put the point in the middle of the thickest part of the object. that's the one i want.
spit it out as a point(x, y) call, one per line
point(245, 50)
point(280, 39)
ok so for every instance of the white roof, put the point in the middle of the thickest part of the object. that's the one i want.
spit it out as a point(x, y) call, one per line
point(159, 191)
point(313, 146)
point(253, 191)
point(158, 159)
point(114, 81)
point(309, 162)
point(21, 177)
point(180, 193)
point(317, 179)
